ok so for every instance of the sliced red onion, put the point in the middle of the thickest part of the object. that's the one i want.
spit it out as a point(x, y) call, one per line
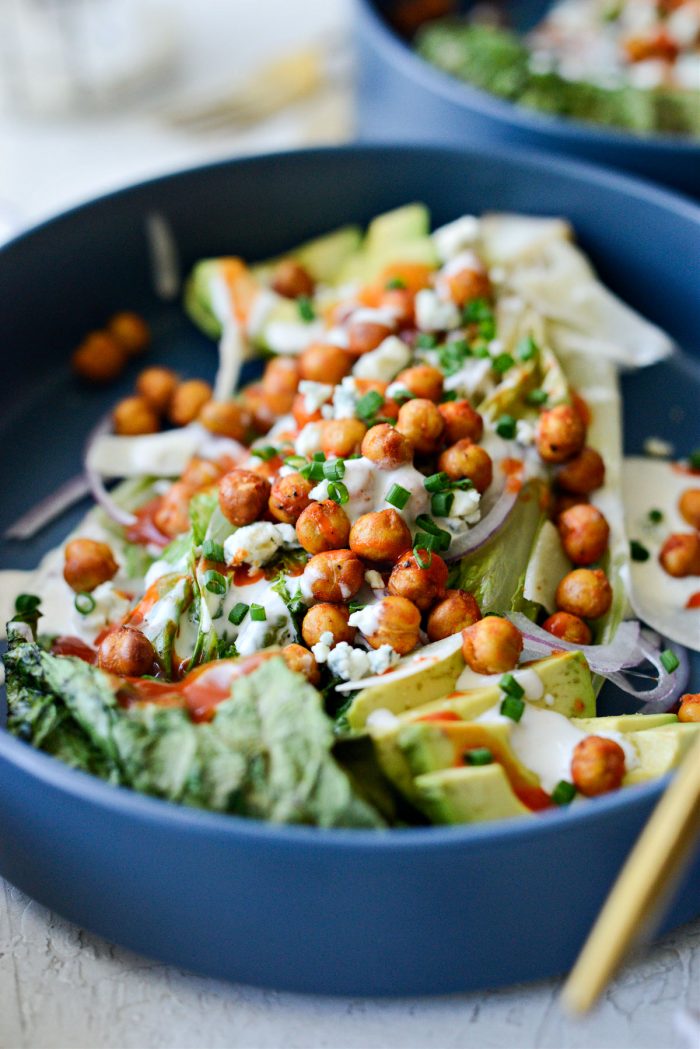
point(631, 648)
point(487, 526)
point(624, 652)
point(670, 685)
point(49, 508)
point(97, 486)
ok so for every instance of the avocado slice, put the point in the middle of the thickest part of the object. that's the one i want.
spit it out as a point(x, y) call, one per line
point(323, 257)
point(625, 722)
point(430, 674)
point(661, 749)
point(401, 235)
point(468, 795)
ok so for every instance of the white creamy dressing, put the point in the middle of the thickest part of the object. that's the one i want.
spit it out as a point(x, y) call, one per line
point(658, 598)
point(454, 237)
point(292, 337)
point(315, 394)
point(528, 679)
point(368, 487)
point(434, 313)
point(258, 543)
point(309, 438)
point(254, 635)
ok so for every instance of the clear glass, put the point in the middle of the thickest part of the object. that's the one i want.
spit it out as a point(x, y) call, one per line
point(70, 55)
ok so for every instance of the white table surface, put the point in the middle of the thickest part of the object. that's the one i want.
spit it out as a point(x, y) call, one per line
point(60, 986)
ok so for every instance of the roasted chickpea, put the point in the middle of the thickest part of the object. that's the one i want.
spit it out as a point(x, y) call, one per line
point(680, 554)
point(564, 501)
point(173, 514)
point(421, 423)
point(689, 709)
point(597, 765)
point(335, 575)
point(461, 422)
point(323, 526)
point(327, 618)
point(188, 400)
point(465, 459)
point(422, 586)
point(468, 284)
point(87, 564)
point(133, 416)
point(582, 474)
point(387, 447)
point(568, 628)
point(402, 304)
point(301, 661)
point(397, 624)
point(279, 384)
point(457, 610)
point(380, 536)
point(157, 385)
point(99, 359)
point(422, 381)
point(289, 497)
point(126, 652)
point(243, 496)
point(201, 473)
point(257, 404)
point(291, 279)
point(225, 418)
point(341, 438)
point(324, 362)
point(584, 533)
point(689, 506)
point(585, 592)
point(492, 645)
point(364, 336)
point(131, 331)
point(560, 433)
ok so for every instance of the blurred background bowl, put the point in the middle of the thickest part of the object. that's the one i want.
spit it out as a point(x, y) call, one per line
point(401, 96)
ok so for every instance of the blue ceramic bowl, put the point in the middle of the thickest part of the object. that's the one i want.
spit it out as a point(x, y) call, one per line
point(402, 97)
point(404, 912)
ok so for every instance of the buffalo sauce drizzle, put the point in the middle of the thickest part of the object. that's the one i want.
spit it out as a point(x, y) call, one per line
point(467, 736)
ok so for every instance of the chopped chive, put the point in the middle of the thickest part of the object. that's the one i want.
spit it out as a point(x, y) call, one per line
point(478, 756)
point(425, 341)
point(511, 687)
point(369, 404)
point(441, 504)
point(84, 603)
point(27, 603)
point(319, 457)
point(564, 793)
point(670, 660)
point(638, 551)
point(306, 308)
point(338, 492)
point(334, 471)
point(526, 349)
point(481, 351)
point(238, 613)
point(656, 516)
point(694, 459)
point(212, 551)
point(502, 363)
point(449, 395)
point(419, 549)
point(215, 582)
point(258, 613)
point(505, 427)
point(397, 496)
point(537, 397)
point(312, 471)
point(297, 462)
point(436, 482)
point(513, 708)
point(428, 525)
point(463, 485)
point(395, 284)
point(355, 606)
point(265, 453)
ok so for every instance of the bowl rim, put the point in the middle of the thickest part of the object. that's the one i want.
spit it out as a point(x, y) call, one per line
point(90, 790)
point(462, 93)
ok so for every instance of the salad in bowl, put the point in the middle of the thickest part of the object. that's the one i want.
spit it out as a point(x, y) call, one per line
point(384, 584)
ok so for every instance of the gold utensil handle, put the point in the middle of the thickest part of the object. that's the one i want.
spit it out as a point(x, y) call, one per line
point(644, 887)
